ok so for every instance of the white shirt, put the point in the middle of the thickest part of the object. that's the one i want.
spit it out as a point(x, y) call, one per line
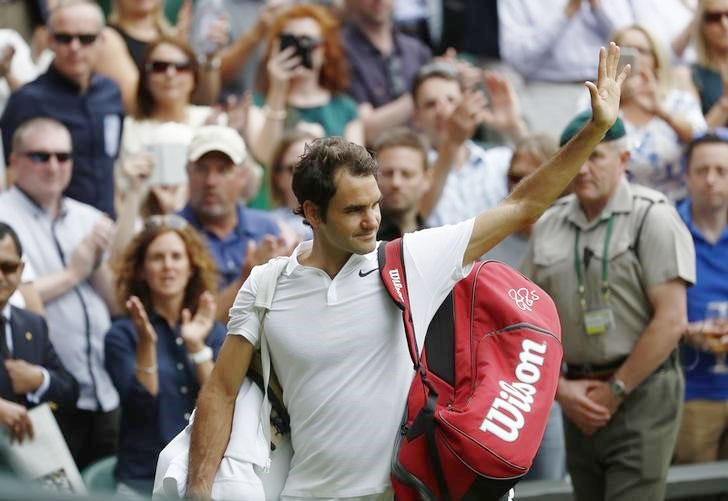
point(47, 245)
point(539, 41)
point(479, 184)
point(340, 353)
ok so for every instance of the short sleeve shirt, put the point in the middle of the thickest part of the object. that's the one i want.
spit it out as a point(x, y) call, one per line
point(637, 260)
point(339, 351)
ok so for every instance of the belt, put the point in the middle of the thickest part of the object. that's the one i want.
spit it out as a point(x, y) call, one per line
point(605, 371)
point(594, 371)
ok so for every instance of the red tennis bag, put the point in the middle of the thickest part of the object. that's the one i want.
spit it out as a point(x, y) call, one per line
point(478, 406)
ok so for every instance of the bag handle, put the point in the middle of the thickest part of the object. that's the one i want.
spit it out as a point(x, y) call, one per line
point(263, 301)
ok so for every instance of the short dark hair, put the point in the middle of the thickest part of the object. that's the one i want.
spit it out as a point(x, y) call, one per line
point(313, 179)
point(406, 138)
point(6, 229)
point(442, 70)
point(718, 135)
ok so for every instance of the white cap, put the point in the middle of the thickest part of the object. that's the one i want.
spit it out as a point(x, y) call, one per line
point(217, 138)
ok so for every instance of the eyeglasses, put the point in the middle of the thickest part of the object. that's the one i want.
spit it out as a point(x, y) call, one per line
point(41, 157)
point(83, 38)
point(288, 169)
point(715, 16)
point(163, 66)
point(9, 267)
point(167, 220)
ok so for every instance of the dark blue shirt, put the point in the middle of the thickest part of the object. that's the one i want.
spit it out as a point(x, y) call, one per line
point(377, 79)
point(711, 284)
point(229, 252)
point(149, 423)
point(95, 119)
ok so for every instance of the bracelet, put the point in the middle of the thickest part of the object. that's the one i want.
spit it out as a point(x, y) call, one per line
point(274, 114)
point(202, 356)
point(146, 370)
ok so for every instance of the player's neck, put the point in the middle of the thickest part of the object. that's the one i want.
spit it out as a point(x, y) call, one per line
point(323, 258)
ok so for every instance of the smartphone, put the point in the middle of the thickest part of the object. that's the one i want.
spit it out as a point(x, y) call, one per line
point(170, 161)
point(628, 55)
point(303, 46)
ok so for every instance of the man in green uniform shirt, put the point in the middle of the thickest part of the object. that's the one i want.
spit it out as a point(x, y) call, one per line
point(617, 259)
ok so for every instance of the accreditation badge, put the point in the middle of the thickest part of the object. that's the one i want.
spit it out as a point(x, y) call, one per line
point(598, 321)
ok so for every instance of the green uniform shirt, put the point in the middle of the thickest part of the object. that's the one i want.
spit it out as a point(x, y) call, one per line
point(663, 251)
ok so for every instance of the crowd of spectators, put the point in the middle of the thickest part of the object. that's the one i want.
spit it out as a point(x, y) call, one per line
point(149, 147)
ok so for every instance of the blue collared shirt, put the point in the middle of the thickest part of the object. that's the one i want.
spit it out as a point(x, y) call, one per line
point(94, 118)
point(229, 252)
point(711, 262)
point(148, 423)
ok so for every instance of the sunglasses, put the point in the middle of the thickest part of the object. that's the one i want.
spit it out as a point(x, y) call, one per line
point(166, 220)
point(163, 66)
point(9, 267)
point(714, 17)
point(83, 38)
point(280, 169)
point(41, 157)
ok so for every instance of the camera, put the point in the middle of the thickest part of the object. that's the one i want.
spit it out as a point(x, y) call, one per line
point(304, 46)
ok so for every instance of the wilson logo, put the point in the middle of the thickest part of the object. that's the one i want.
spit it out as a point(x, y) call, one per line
point(523, 298)
point(397, 282)
point(505, 417)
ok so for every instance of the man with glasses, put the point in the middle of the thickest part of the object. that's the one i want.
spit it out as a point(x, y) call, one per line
point(30, 370)
point(65, 242)
point(383, 62)
point(87, 103)
point(617, 260)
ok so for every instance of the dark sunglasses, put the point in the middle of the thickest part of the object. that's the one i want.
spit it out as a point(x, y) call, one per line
point(280, 169)
point(167, 220)
point(41, 157)
point(67, 38)
point(163, 66)
point(714, 17)
point(8, 267)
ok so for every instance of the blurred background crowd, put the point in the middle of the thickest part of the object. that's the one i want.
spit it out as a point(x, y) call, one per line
point(149, 148)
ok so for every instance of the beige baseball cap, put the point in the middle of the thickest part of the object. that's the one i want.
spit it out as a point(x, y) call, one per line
point(217, 138)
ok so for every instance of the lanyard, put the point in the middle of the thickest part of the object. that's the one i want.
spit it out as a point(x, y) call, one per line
point(605, 264)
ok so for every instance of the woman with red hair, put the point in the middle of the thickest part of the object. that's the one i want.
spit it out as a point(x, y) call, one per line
point(303, 83)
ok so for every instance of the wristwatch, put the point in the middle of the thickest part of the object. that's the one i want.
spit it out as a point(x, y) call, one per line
point(617, 387)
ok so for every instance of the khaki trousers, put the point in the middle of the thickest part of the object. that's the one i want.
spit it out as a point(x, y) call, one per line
point(703, 435)
point(628, 459)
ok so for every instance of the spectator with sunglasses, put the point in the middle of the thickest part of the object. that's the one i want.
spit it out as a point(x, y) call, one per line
point(302, 82)
point(384, 62)
point(88, 103)
point(155, 138)
point(289, 151)
point(162, 351)
point(710, 72)
point(30, 370)
point(65, 242)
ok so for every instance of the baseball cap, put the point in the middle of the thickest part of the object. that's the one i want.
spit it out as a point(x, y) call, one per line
point(217, 138)
point(615, 132)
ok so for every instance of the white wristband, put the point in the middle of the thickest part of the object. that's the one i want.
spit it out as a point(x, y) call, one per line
point(202, 356)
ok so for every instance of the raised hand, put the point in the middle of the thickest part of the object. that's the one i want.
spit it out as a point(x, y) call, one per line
point(87, 254)
point(606, 92)
point(504, 113)
point(470, 113)
point(15, 418)
point(137, 167)
point(195, 329)
point(139, 316)
point(282, 65)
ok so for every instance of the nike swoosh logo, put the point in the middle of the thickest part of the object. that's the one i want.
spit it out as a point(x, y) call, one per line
point(361, 274)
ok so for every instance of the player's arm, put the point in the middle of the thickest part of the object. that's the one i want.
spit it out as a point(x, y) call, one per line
point(538, 191)
point(214, 415)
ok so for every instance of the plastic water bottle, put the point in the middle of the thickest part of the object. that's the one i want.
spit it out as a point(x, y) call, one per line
point(211, 11)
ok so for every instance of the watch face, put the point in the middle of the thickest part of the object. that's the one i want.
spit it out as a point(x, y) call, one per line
point(617, 387)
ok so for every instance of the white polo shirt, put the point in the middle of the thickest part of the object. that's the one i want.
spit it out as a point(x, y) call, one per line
point(340, 353)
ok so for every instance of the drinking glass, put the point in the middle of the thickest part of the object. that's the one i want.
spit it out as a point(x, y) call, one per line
point(717, 312)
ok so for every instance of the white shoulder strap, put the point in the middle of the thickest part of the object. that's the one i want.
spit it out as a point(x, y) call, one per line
point(263, 300)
